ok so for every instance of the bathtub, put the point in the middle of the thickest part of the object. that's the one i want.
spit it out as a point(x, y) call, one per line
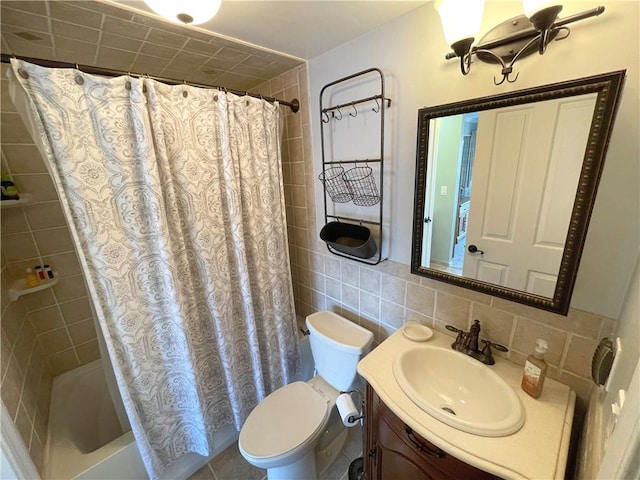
point(85, 440)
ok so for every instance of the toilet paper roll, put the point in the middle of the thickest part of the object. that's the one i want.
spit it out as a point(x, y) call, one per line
point(347, 409)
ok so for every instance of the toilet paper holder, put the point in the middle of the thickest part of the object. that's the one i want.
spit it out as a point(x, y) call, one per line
point(353, 418)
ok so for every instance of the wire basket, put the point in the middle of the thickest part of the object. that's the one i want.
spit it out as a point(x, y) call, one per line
point(362, 185)
point(335, 185)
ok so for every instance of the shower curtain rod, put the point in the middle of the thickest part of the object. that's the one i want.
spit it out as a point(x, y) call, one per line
point(294, 104)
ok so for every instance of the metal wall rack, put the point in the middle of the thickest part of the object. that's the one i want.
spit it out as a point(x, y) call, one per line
point(357, 189)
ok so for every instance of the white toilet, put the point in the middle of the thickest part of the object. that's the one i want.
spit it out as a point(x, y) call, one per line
point(296, 431)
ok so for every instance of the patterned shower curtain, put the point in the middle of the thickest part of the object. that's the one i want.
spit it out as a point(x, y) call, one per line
point(174, 198)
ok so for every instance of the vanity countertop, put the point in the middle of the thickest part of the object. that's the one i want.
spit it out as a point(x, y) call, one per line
point(538, 450)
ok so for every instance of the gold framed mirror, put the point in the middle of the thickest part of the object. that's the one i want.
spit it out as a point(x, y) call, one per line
point(505, 186)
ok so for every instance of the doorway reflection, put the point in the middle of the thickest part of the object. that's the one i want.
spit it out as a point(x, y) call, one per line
point(451, 212)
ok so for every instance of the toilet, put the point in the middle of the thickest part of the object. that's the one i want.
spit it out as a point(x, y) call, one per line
point(295, 433)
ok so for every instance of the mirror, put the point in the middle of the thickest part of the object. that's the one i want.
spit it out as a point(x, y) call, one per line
point(505, 186)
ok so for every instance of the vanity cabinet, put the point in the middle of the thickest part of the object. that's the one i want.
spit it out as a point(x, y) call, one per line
point(394, 451)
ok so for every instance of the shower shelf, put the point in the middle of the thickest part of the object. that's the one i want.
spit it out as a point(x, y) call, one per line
point(25, 199)
point(359, 184)
point(19, 287)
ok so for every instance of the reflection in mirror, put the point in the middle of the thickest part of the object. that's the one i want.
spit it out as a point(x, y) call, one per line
point(505, 186)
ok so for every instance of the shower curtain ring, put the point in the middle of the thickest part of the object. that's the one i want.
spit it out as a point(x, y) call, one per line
point(333, 114)
point(325, 117)
point(355, 110)
point(377, 105)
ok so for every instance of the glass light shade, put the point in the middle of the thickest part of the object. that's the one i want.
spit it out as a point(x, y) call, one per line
point(532, 6)
point(191, 12)
point(460, 18)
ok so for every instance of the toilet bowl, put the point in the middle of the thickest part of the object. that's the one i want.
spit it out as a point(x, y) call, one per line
point(295, 433)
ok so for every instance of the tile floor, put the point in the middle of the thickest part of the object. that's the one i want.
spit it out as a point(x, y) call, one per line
point(230, 465)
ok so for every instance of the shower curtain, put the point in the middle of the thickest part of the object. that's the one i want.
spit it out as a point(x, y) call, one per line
point(174, 198)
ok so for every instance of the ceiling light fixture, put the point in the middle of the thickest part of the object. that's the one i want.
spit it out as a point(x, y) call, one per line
point(185, 12)
point(509, 41)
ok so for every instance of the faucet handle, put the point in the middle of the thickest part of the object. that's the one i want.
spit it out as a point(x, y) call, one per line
point(486, 356)
point(451, 328)
point(500, 348)
point(488, 344)
point(459, 341)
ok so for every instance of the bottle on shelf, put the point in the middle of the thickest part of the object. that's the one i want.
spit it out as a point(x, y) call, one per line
point(40, 272)
point(8, 188)
point(48, 272)
point(31, 278)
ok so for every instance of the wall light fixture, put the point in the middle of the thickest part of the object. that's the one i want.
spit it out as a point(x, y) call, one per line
point(185, 12)
point(509, 41)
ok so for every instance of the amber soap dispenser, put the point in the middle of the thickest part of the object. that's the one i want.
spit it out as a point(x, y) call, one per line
point(535, 370)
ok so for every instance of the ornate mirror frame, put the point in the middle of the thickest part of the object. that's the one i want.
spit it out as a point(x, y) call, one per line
point(608, 87)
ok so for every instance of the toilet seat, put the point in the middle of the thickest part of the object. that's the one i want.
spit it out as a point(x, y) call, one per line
point(280, 428)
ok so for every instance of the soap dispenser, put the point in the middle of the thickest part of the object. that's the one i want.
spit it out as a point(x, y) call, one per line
point(535, 370)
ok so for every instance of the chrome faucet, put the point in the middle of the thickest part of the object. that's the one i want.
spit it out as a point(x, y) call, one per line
point(467, 343)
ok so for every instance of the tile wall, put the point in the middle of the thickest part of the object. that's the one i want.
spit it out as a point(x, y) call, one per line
point(37, 234)
point(383, 297)
point(106, 35)
point(25, 379)
point(49, 332)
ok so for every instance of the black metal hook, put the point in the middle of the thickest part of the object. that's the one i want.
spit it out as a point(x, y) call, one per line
point(506, 73)
point(465, 64)
point(355, 110)
point(325, 117)
point(333, 114)
point(377, 105)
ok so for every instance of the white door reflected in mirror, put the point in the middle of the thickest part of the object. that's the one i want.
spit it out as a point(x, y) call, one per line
point(507, 179)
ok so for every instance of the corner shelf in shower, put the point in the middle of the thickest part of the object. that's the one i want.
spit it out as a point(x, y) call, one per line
point(19, 287)
point(25, 199)
point(366, 198)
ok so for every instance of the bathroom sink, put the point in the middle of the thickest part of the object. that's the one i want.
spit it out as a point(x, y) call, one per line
point(459, 391)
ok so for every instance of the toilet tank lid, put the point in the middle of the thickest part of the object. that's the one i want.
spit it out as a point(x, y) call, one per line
point(341, 332)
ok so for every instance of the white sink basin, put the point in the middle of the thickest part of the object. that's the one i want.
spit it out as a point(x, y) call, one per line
point(459, 391)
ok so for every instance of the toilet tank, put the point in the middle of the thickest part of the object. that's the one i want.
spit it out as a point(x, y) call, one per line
point(337, 346)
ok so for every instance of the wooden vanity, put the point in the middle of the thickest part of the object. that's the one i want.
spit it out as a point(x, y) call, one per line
point(404, 442)
point(393, 450)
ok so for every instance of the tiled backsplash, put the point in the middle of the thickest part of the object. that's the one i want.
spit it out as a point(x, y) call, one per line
point(383, 297)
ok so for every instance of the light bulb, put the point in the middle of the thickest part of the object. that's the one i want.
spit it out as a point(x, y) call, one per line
point(460, 19)
point(190, 12)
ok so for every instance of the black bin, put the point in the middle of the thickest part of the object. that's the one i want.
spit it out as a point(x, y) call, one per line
point(354, 240)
